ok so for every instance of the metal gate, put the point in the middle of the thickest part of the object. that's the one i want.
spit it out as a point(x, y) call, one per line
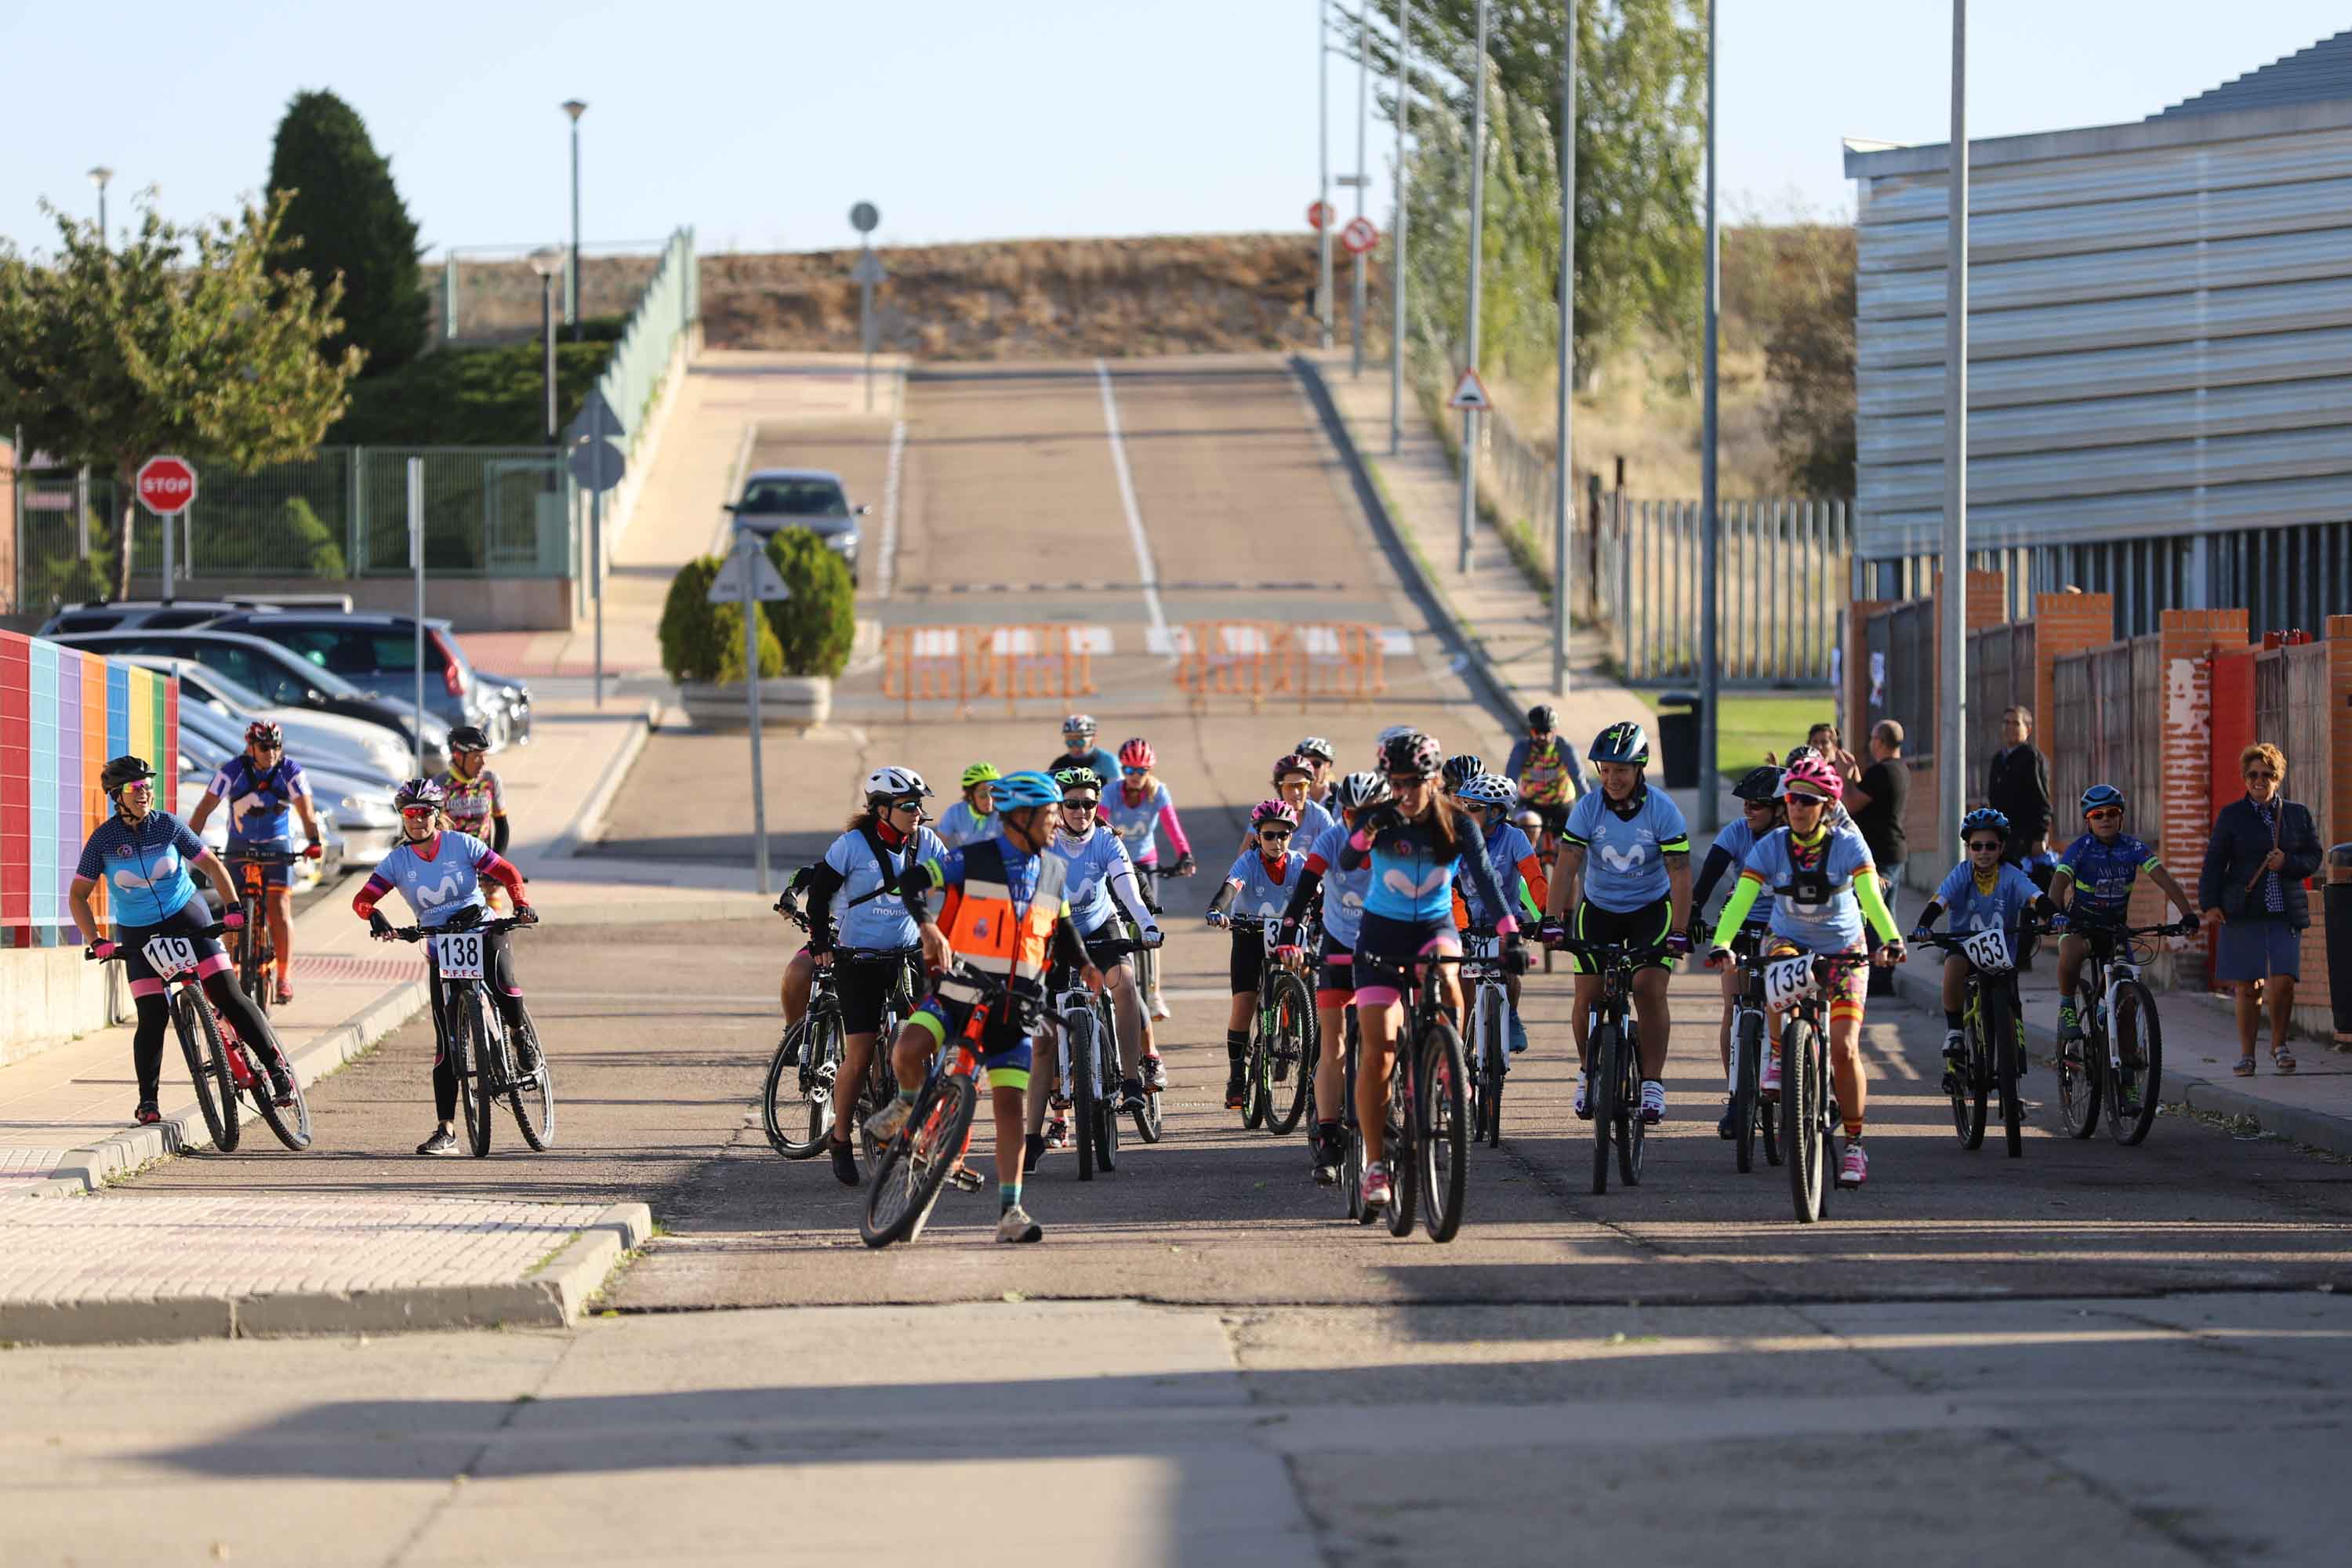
point(2290, 714)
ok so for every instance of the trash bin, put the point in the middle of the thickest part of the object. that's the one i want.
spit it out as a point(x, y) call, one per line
point(2337, 904)
point(1678, 714)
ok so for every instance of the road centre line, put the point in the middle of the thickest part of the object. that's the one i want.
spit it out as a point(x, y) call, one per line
point(1157, 640)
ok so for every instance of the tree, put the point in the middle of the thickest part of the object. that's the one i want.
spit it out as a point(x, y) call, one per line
point(1809, 338)
point(344, 219)
point(182, 340)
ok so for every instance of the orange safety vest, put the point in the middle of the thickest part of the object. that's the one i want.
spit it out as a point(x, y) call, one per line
point(988, 929)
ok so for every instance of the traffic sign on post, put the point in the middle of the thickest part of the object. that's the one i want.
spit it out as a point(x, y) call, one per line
point(863, 217)
point(166, 486)
point(1317, 214)
point(748, 574)
point(596, 465)
point(1360, 236)
point(1470, 393)
point(868, 269)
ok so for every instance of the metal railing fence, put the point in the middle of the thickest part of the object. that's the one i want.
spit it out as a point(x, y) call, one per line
point(1783, 578)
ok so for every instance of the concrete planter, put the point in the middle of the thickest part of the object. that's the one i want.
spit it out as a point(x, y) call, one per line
point(792, 701)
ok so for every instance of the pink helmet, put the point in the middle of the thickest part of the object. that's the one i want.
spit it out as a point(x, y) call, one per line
point(1137, 753)
point(1268, 811)
point(1817, 776)
point(1292, 763)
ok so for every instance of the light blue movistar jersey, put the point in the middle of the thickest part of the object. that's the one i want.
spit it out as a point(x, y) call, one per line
point(1972, 908)
point(1739, 841)
point(959, 825)
point(1343, 891)
point(1262, 894)
point(437, 888)
point(1813, 905)
point(865, 915)
point(1626, 858)
point(1095, 862)
point(1507, 845)
point(1314, 822)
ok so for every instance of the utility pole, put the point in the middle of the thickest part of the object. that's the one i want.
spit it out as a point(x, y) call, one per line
point(1710, 543)
point(1396, 267)
point(1363, 76)
point(1567, 354)
point(1323, 140)
point(1952, 761)
point(1477, 240)
point(575, 108)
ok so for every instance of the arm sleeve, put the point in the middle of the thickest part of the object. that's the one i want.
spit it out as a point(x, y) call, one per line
point(1929, 915)
point(500, 831)
point(1302, 898)
point(1534, 886)
point(1743, 897)
point(502, 871)
point(1873, 904)
point(1124, 887)
point(1176, 839)
point(1710, 871)
point(364, 901)
point(824, 881)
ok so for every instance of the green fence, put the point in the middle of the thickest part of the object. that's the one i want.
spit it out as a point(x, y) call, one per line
point(664, 311)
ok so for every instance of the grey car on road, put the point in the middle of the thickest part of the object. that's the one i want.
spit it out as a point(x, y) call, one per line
point(813, 499)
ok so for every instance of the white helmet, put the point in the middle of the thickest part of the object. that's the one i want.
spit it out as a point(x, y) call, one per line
point(1078, 724)
point(1487, 789)
point(895, 783)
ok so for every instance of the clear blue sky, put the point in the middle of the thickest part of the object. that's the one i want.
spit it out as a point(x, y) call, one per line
point(760, 122)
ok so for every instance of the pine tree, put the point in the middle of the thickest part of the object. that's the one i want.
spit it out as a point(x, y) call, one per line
point(345, 218)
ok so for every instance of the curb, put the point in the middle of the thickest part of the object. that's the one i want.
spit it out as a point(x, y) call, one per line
point(585, 828)
point(549, 1296)
point(2211, 1096)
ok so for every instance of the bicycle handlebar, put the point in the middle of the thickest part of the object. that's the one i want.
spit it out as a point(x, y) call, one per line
point(418, 933)
point(261, 857)
point(122, 952)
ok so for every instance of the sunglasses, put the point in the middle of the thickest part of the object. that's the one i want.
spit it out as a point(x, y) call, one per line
point(1402, 781)
point(1272, 835)
point(2104, 813)
point(1079, 802)
point(1135, 773)
point(2261, 774)
point(1988, 845)
point(420, 811)
point(1761, 806)
point(267, 746)
point(1816, 801)
point(906, 805)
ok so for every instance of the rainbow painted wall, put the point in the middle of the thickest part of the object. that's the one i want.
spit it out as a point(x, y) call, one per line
point(62, 714)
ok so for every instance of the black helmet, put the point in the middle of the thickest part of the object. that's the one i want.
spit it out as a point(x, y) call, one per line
point(1626, 743)
point(1758, 784)
point(122, 771)
point(1411, 754)
point(1462, 767)
point(468, 738)
point(1543, 717)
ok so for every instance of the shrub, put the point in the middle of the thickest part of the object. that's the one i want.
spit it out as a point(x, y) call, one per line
point(493, 396)
point(817, 624)
point(703, 641)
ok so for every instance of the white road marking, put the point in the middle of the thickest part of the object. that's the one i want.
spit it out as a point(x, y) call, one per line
point(886, 568)
point(1157, 640)
point(723, 540)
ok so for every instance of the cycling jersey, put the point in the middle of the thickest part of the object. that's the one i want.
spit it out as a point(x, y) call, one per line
point(260, 802)
point(145, 868)
point(1732, 846)
point(1410, 881)
point(1512, 859)
point(1265, 889)
point(1138, 822)
point(1343, 891)
point(1003, 911)
point(1811, 886)
point(2103, 874)
point(1625, 856)
point(470, 804)
point(436, 886)
point(1095, 863)
point(867, 916)
point(959, 825)
point(1543, 776)
point(1104, 766)
point(1314, 822)
point(1975, 907)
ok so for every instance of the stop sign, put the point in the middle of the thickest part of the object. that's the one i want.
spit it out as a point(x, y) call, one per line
point(167, 486)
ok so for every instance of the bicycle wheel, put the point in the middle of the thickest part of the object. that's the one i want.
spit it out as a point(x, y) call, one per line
point(1969, 1095)
point(1630, 1129)
point(1404, 1157)
point(292, 1122)
point(2081, 1073)
point(1600, 1080)
point(1084, 1092)
point(2138, 1081)
point(1494, 1065)
point(1292, 1073)
point(473, 1065)
point(1351, 1167)
point(200, 1043)
point(1748, 1041)
point(1442, 1129)
point(2001, 1033)
point(912, 1167)
point(796, 1099)
point(1802, 1092)
point(533, 1108)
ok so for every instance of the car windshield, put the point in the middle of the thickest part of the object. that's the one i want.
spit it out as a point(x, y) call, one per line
point(793, 498)
point(244, 699)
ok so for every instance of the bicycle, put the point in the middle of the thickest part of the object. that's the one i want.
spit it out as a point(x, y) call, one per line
point(914, 1164)
point(221, 1063)
point(1992, 1025)
point(1612, 1073)
point(257, 950)
point(2120, 1064)
point(482, 1057)
point(814, 1077)
point(1489, 1046)
point(1088, 1041)
point(1281, 1041)
point(1428, 1140)
point(1750, 1039)
point(1809, 1107)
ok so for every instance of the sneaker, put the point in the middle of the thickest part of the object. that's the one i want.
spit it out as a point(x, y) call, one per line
point(1330, 1158)
point(285, 993)
point(1014, 1225)
point(282, 1085)
point(1131, 1097)
point(1057, 1132)
point(1375, 1192)
point(1236, 1091)
point(1653, 1102)
point(845, 1163)
point(1956, 1061)
point(1159, 1009)
point(791, 1046)
point(1854, 1169)
point(1033, 1153)
point(526, 1052)
point(1155, 1075)
point(1728, 1128)
point(443, 1142)
point(889, 1122)
point(1769, 1088)
point(1583, 1110)
point(147, 1115)
point(1518, 1036)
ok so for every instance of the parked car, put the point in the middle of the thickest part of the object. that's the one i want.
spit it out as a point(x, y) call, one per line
point(140, 615)
point(812, 499)
point(277, 673)
point(314, 738)
point(376, 652)
point(509, 704)
point(359, 809)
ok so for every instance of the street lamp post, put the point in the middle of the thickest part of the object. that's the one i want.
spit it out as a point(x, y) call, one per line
point(575, 108)
point(1323, 141)
point(548, 262)
point(1952, 762)
point(98, 176)
point(1470, 329)
point(1396, 263)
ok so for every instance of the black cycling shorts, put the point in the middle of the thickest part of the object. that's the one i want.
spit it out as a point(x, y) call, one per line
point(1647, 926)
point(864, 985)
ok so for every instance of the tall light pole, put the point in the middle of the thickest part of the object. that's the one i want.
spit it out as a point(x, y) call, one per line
point(1396, 267)
point(1363, 74)
point(1478, 241)
point(575, 108)
point(1951, 766)
point(1567, 354)
point(548, 262)
point(1710, 681)
point(98, 176)
point(1323, 140)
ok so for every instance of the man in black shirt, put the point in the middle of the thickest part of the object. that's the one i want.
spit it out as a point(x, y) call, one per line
point(1876, 801)
point(2017, 785)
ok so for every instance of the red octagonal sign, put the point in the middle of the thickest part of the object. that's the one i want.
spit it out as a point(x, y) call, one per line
point(167, 486)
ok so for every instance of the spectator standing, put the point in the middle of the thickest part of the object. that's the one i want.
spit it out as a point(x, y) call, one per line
point(1876, 798)
point(2263, 846)
point(2017, 785)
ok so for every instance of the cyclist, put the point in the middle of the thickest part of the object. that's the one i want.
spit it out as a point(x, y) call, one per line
point(1318, 754)
point(1004, 915)
point(440, 872)
point(1824, 887)
point(1543, 770)
point(1342, 906)
point(265, 790)
point(1624, 864)
point(1262, 881)
point(862, 869)
point(142, 855)
point(1758, 794)
point(1487, 801)
point(1460, 769)
point(1294, 783)
point(476, 801)
point(1139, 808)
point(1078, 748)
point(968, 820)
point(2094, 885)
point(1983, 893)
point(1414, 844)
point(1098, 868)
point(1837, 819)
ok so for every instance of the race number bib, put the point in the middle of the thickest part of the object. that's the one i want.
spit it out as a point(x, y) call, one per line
point(171, 955)
point(459, 955)
point(1788, 980)
point(1988, 951)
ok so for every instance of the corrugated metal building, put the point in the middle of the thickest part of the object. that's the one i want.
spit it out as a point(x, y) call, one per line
point(2159, 353)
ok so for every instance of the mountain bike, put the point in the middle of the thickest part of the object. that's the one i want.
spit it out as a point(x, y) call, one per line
point(799, 1093)
point(1992, 1025)
point(257, 950)
point(1279, 1072)
point(483, 1053)
point(2119, 1064)
point(912, 1166)
point(1809, 1107)
point(1429, 1133)
point(1489, 1046)
point(1087, 1043)
point(1612, 1072)
point(221, 1065)
point(1750, 1039)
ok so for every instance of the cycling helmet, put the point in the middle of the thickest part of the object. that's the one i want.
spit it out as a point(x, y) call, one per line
point(895, 783)
point(1487, 789)
point(980, 774)
point(1817, 777)
point(270, 735)
point(1268, 811)
point(1461, 768)
point(1069, 779)
point(1985, 816)
point(1316, 748)
point(419, 792)
point(122, 771)
point(1543, 716)
point(1626, 743)
point(464, 738)
point(1137, 753)
point(1410, 752)
point(2098, 798)
point(1078, 724)
point(1381, 743)
point(1357, 790)
point(1291, 762)
point(1758, 783)
point(1015, 791)
point(1796, 754)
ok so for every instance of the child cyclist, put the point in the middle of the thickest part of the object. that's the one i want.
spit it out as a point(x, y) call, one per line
point(1488, 800)
point(1824, 887)
point(1293, 779)
point(2094, 885)
point(1261, 881)
point(1983, 893)
point(1758, 794)
point(1335, 956)
point(1139, 806)
point(970, 820)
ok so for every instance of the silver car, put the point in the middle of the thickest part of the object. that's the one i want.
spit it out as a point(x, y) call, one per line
point(315, 740)
point(775, 498)
point(359, 809)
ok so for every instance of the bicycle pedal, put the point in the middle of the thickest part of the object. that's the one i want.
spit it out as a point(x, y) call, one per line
point(965, 1180)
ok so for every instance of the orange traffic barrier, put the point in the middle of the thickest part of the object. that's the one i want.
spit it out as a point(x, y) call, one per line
point(1261, 660)
point(1048, 660)
point(929, 664)
point(1228, 658)
point(1339, 660)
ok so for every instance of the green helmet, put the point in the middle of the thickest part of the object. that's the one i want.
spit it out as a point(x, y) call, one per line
point(980, 774)
point(1078, 778)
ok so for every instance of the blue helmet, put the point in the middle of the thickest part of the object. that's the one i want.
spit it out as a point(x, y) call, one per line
point(1015, 791)
point(1627, 742)
point(1985, 816)
point(2098, 798)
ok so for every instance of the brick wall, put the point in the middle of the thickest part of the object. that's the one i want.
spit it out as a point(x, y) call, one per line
point(2064, 624)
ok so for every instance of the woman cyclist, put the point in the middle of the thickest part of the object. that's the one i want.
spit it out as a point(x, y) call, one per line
point(476, 803)
point(851, 899)
point(1140, 806)
point(1413, 844)
point(1261, 880)
point(440, 873)
point(1334, 976)
point(1318, 756)
point(1292, 777)
point(266, 789)
point(1488, 800)
point(969, 820)
point(142, 855)
point(1824, 887)
point(1758, 794)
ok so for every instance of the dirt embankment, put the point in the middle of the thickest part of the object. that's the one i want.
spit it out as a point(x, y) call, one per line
point(1035, 299)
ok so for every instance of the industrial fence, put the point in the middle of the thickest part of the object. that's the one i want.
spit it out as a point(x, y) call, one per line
point(2291, 712)
point(488, 293)
point(2108, 728)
